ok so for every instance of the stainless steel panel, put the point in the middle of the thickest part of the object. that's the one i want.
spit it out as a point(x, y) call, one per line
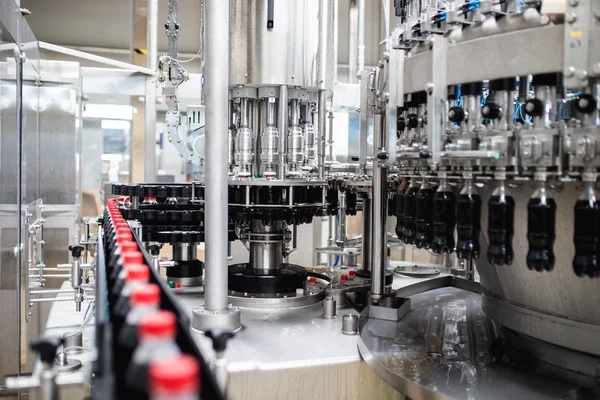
point(287, 54)
point(492, 57)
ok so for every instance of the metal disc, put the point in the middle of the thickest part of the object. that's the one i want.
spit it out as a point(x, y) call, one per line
point(417, 270)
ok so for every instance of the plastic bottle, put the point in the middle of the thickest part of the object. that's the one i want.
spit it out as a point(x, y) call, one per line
point(424, 216)
point(541, 229)
point(117, 275)
point(176, 378)
point(156, 343)
point(399, 208)
point(586, 235)
point(468, 215)
point(444, 219)
point(136, 275)
point(144, 301)
point(408, 210)
point(501, 226)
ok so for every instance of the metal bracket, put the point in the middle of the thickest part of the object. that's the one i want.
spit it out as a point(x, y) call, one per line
point(436, 96)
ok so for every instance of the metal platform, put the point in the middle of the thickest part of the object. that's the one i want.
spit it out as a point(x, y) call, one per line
point(442, 349)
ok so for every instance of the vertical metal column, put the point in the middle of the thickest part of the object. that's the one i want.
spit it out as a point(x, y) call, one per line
point(352, 40)
point(379, 226)
point(216, 313)
point(361, 35)
point(150, 103)
point(321, 132)
point(217, 104)
point(367, 242)
point(322, 106)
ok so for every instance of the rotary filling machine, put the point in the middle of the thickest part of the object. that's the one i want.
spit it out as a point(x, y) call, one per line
point(485, 124)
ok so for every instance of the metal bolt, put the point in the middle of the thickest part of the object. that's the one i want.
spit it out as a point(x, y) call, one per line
point(570, 72)
point(570, 17)
point(429, 87)
point(573, 3)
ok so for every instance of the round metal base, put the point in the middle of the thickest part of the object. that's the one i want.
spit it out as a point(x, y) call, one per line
point(186, 273)
point(278, 282)
point(63, 364)
point(314, 293)
point(203, 319)
point(187, 282)
point(416, 270)
point(389, 276)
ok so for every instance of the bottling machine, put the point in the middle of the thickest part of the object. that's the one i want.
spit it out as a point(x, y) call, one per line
point(485, 118)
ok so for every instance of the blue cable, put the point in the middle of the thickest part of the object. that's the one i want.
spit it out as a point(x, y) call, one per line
point(458, 96)
point(337, 260)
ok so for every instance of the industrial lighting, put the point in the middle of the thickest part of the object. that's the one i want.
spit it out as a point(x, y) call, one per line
point(112, 111)
point(115, 124)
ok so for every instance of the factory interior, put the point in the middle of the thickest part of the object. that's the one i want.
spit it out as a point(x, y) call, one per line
point(300, 199)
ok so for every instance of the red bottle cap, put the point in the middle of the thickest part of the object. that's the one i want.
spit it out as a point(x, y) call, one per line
point(127, 246)
point(175, 376)
point(344, 277)
point(137, 272)
point(147, 295)
point(159, 324)
point(352, 272)
point(312, 279)
point(125, 239)
point(123, 231)
point(132, 257)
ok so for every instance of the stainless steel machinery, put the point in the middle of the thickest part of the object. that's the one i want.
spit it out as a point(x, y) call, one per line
point(491, 113)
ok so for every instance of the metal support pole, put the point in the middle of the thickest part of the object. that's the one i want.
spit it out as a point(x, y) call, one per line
point(282, 122)
point(379, 227)
point(366, 243)
point(361, 35)
point(321, 132)
point(352, 40)
point(150, 101)
point(216, 313)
